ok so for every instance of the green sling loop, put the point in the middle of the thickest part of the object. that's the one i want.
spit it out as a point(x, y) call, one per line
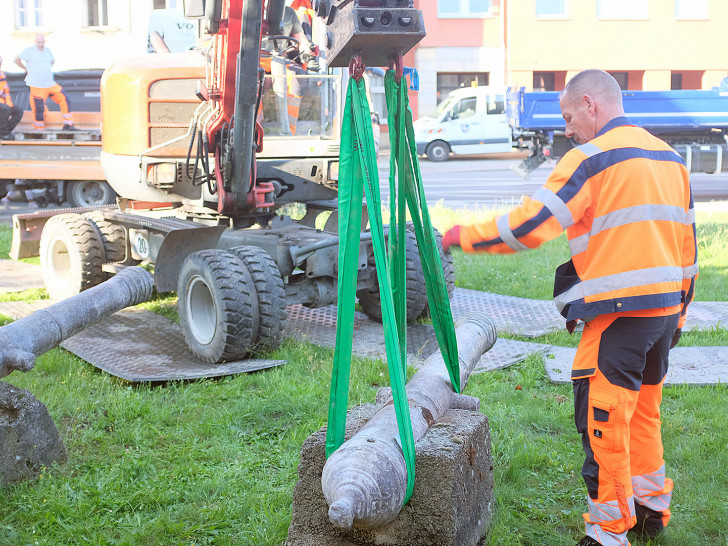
point(358, 172)
point(403, 159)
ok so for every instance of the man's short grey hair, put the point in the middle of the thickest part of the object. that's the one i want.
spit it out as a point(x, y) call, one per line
point(596, 83)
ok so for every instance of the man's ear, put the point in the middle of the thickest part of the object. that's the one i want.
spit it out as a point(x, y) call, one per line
point(590, 104)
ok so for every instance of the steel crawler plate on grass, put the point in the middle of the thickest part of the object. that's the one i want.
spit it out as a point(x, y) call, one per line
point(140, 346)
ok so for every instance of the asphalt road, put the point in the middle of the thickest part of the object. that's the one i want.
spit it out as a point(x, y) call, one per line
point(480, 181)
point(477, 181)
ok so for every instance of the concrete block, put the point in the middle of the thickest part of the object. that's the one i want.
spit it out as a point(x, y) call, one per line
point(452, 502)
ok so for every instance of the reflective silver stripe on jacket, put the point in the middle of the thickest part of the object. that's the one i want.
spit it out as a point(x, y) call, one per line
point(618, 281)
point(556, 206)
point(691, 271)
point(649, 490)
point(504, 230)
point(589, 149)
point(630, 215)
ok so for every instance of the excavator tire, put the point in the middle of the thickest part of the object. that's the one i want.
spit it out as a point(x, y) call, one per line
point(215, 306)
point(370, 301)
point(448, 268)
point(113, 237)
point(71, 255)
point(271, 295)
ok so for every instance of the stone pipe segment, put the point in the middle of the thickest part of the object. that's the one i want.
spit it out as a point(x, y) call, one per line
point(365, 480)
point(22, 341)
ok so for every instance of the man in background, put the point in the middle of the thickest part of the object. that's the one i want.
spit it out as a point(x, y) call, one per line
point(37, 62)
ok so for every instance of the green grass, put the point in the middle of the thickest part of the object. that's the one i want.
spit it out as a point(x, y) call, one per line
point(214, 461)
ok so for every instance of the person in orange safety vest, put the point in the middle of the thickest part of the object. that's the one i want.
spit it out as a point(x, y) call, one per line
point(10, 115)
point(37, 62)
point(624, 198)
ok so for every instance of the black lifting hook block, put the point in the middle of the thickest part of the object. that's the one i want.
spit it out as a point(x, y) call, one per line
point(377, 30)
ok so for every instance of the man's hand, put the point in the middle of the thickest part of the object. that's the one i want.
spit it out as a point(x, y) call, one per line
point(676, 338)
point(451, 238)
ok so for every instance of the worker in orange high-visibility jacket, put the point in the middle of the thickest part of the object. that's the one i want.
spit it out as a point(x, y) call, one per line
point(10, 115)
point(624, 198)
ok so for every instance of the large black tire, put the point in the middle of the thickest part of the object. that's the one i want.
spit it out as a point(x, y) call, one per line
point(448, 269)
point(271, 295)
point(416, 290)
point(112, 235)
point(71, 255)
point(89, 193)
point(438, 151)
point(215, 306)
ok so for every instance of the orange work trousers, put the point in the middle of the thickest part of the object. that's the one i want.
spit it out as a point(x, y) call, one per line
point(38, 97)
point(618, 373)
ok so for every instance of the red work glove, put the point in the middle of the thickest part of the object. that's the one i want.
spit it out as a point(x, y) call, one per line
point(451, 238)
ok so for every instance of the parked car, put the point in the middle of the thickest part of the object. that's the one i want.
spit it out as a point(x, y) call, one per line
point(470, 120)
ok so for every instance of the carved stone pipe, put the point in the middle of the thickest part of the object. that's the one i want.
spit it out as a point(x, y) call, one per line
point(22, 341)
point(365, 480)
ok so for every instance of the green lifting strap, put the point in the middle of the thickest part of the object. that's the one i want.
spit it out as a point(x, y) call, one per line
point(403, 160)
point(358, 176)
point(357, 171)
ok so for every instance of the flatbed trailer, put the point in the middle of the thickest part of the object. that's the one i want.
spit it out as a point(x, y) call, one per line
point(694, 122)
point(58, 165)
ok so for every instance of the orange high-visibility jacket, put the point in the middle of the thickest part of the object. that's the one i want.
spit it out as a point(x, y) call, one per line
point(625, 201)
point(5, 91)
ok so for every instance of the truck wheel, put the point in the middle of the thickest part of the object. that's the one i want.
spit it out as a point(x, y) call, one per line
point(448, 268)
point(370, 301)
point(71, 255)
point(438, 151)
point(214, 305)
point(113, 237)
point(271, 295)
point(89, 193)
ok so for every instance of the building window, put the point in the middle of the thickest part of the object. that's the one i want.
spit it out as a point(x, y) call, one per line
point(447, 82)
point(28, 13)
point(460, 9)
point(622, 79)
point(622, 10)
point(97, 13)
point(691, 10)
point(552, 9)
point(686, 79)
point(544, 81)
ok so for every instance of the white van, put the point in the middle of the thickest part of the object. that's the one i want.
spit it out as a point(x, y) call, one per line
point(470, 120)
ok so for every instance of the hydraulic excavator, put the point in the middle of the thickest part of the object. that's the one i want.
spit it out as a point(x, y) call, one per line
point(205, 147)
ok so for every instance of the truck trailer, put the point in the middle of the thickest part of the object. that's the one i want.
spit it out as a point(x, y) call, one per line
point(693, 122)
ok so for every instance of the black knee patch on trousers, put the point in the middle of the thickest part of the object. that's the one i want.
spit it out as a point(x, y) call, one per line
point(39, 108)
point(590, 468)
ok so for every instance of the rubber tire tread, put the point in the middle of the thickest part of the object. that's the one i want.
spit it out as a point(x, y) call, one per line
point(271, 295)
point(448, 269)
point(223, 274)
point(85, 251)
point(112, 235)
point(370, 301)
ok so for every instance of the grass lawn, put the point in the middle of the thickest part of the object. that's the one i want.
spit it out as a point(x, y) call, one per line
point(214, 461)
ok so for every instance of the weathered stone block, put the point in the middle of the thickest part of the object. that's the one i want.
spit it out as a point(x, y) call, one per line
point(452, 502)
point(29, 440)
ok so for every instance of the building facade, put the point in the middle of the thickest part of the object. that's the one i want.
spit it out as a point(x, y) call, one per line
point(82, 34)
point(540, 44)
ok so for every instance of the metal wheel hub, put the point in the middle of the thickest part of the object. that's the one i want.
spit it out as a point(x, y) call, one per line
point(60, 260)
point(201, 310)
